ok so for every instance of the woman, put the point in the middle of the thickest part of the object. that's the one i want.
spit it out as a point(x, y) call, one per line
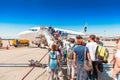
point(79, 59)
point(54, 62)
point(116, 69)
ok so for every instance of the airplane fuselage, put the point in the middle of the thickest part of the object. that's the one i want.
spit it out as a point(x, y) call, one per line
point(32, 33)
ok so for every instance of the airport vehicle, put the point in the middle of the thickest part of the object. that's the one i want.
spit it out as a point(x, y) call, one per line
point(17, 42)
point(1, 44)
point(32, 34)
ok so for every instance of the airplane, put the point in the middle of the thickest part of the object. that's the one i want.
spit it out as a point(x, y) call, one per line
point(32, 34)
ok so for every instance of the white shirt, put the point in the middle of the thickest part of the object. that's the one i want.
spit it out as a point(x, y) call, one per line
point(65, 43)
point(118, 53)
point(92, 49)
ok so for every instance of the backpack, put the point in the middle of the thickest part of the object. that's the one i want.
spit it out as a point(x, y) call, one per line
point(102, 54)
point(70, 51)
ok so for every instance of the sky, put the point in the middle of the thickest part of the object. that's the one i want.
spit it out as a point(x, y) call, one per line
point(102, 16)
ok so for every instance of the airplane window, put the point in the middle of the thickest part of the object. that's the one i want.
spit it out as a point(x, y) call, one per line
point(33, 29)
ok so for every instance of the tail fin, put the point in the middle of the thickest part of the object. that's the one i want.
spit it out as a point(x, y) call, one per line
point(85, 28)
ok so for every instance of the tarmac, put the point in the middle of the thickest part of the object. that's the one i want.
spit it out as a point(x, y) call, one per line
point(22, 55)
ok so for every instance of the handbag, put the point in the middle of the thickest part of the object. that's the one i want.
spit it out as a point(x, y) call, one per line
point(87, 64)
point(48, 69)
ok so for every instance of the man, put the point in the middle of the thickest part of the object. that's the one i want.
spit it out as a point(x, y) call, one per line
point(97, 40)
point(65, 44)
point(70, 62)
point(92, 45)
point(79, 52)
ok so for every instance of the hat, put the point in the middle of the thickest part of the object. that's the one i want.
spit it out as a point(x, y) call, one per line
point(78, 37)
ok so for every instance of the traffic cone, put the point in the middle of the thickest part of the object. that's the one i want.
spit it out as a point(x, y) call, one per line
point(7, 47)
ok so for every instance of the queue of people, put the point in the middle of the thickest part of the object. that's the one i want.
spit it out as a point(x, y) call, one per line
point(72, 51)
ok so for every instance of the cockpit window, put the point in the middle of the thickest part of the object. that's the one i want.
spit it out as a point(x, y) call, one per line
point(32, 29)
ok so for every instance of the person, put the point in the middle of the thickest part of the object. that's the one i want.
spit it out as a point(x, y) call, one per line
point(59, 47)
point(70, 65)
point(117, 41)
point(65, 44)
point(56, 35)
point(54, 62)
point(116, 69)
point(101, 50)
point(92, 46)
point(51, 43)
point(97, 40)
point(79, 58)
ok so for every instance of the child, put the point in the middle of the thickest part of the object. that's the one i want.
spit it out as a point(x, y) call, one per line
point(54, 62)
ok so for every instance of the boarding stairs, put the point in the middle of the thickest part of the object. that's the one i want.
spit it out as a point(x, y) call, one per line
point(48, 36)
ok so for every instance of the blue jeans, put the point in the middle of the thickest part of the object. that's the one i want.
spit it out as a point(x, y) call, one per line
point(81, 73)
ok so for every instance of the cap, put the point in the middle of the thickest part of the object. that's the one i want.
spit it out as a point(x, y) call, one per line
point(78, 37)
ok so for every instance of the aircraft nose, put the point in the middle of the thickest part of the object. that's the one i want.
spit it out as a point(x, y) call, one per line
point(25, 35)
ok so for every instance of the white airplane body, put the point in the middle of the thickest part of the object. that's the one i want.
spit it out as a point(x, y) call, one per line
point(71, 32)
point(32, 33)
point(29, 34)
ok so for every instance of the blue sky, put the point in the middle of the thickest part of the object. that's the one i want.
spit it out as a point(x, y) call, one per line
point(19, 15)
